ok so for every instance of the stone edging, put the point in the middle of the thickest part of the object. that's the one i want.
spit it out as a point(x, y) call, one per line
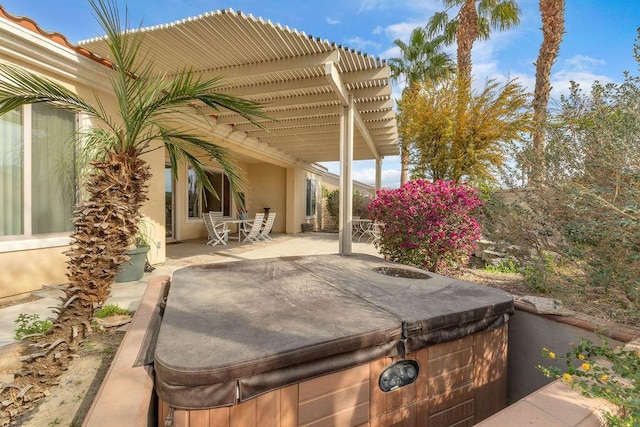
point(125, 397)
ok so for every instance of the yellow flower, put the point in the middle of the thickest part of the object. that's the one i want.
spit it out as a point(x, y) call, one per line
point(566, 377)
point(604, 377)
point(581, 357)
point(552, 355)
point(586, 367)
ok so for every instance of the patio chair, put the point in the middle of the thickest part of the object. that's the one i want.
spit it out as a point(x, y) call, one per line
point(217, 233)
point(215, 215)
point(371, 232)
point(251, 235)
point(268, 225)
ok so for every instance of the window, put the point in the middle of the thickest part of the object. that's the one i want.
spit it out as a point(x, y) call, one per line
point(200, 200)
point(37, 169)
point(312, 185)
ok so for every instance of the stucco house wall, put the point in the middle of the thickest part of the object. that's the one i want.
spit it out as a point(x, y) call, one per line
point(30, 262)
point(266, 184)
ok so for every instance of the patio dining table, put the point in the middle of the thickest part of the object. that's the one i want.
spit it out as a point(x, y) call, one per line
point(239, 222)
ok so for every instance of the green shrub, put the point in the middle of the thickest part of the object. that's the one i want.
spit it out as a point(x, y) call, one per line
point(332, 203)
point(111, 310)
point(30, 324)
point(601, 371)
point(505, 266)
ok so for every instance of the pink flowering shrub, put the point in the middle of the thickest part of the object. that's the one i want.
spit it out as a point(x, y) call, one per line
point(428, 225)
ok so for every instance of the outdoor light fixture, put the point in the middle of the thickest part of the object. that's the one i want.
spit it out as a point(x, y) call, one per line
point(398, 375)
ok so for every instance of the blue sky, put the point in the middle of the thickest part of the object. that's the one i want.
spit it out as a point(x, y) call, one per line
point(598, 44)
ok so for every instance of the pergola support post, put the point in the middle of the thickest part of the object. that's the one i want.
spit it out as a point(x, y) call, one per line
point(346, 183)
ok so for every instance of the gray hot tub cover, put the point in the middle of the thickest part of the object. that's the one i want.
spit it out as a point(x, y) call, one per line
point(236, 330)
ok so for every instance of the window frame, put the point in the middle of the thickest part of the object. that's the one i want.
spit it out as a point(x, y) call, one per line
point(311, 200)
point(28, 240)
point(224, 197)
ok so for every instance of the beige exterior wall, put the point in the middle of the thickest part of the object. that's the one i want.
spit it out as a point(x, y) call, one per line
point(267, 185)
point(297, 198)
point(29, 263)
point(28, 271)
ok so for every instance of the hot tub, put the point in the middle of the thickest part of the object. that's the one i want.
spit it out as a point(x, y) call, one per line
point(306, 341)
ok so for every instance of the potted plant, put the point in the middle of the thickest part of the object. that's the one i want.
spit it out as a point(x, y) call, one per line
point(133, 269)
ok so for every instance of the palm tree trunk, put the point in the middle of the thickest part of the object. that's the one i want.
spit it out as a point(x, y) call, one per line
point(105, 225)
point(467, 33)
point(552, 12)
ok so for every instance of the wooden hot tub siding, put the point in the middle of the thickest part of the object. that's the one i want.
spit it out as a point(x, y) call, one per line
point(461, 382)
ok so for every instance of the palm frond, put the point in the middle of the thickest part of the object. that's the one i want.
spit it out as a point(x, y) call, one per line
point(181, 146)
point(20, 87)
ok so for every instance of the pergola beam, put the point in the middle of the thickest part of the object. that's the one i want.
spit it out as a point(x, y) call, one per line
point(333, 77)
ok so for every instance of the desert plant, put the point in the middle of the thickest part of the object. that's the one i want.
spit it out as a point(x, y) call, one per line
point(30, 324)
point(116, 184)
point(584, 209)
point(505, 266)
point(602, 371)
point(428, 225)
point(111, 310)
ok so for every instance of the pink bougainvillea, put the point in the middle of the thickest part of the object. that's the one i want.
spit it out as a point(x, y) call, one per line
point(429, 225)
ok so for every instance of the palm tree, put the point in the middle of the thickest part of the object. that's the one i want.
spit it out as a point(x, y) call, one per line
point(472, 23)
point(421, 60)
point(552, 12)
point(115, 188)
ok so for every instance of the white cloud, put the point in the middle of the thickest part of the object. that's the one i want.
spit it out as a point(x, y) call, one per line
point(392, 52)
point(332, 21)
point(362, 44)
point(401, 30)
point(583, 62)
point(561, 81)
point(377, 30)
point(368, 5)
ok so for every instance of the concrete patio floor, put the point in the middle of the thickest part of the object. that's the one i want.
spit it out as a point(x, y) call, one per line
point(182, 254)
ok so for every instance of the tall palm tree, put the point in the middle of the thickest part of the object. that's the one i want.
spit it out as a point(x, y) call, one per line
point(552, 12)
point(471, 23)
point(116, 186)
point(421, 60)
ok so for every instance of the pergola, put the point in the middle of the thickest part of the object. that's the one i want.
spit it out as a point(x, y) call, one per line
point(328, 102)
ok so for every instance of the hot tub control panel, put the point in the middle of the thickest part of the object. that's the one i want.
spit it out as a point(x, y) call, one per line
point(399, 374)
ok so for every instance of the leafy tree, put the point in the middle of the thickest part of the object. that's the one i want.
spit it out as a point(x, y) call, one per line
point(116, 185)
point(552, 12)
point(441, 149)
point(428, 225)
point(421, 60)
